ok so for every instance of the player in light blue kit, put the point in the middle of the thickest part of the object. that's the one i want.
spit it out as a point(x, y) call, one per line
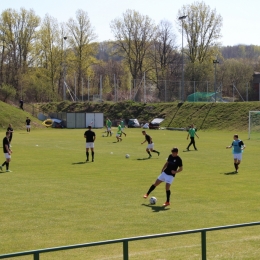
point(238, 147)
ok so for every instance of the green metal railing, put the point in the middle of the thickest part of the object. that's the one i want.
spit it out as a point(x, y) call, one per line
point(36, 253)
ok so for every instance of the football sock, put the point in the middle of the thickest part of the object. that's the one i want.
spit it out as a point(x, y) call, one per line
point(4, 163)
point(87, 153)
point(149, 153)
point(154, 151)
point(7, 165)
point(168, 194)
point(235, 166)
point(151, 189)
point(92, 153)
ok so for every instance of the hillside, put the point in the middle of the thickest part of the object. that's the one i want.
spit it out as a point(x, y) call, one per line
point(215, 116)
point(10, 114)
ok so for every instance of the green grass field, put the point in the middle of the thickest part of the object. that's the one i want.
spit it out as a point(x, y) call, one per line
point(54, 198)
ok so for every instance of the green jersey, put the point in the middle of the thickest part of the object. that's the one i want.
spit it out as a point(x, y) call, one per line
point(109, 123)
point(119, 129)
point(192, 132)
point(122, 123)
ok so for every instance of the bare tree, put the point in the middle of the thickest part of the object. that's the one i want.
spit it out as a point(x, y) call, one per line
point(80, 36)
point(164, 56)
point(164, 50)
point(134, 34)
point(202, 28)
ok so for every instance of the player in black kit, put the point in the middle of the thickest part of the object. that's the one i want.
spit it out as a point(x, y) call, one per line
point(170, 168)
point(150, 145)
point(7, 151)
point(11, 130)
point(90, 139)
point(28, 124)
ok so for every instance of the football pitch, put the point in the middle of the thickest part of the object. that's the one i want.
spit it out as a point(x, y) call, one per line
point(53, 197)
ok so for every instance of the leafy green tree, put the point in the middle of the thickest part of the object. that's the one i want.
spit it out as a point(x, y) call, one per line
point(7, 91)
point(18, 31)
point(48, 50)
point(37, 85)
point(237, 72)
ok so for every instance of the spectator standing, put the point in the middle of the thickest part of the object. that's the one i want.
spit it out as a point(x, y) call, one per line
point(21, 104)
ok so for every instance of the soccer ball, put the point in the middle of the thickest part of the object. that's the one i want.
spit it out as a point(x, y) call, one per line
point(153, 200)
point(127, 156)
point(103, 135)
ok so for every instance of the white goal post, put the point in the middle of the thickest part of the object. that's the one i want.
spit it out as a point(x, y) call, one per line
point(253, 123)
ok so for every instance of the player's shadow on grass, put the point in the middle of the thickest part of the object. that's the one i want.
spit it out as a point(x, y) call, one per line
point(189, 151)
point(156, 208)
point(79, 163)
point(141, 159)
point(231, 173)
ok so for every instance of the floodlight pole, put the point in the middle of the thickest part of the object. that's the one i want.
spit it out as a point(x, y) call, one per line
point(182, 68)
point(64, 69)
point(215, 62)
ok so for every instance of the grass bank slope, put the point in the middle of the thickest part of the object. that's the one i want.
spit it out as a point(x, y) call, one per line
point(12, 115)
point(215, 116)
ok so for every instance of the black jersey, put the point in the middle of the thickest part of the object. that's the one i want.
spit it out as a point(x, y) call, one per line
point(148, 139)
point(173, 164)
point(28, 121)
point(5, 142)
point(89, 136)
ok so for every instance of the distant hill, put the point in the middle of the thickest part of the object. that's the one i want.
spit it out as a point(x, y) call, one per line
point(241, 52)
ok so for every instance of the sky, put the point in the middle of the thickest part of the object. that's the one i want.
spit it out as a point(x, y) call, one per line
point(241, 18)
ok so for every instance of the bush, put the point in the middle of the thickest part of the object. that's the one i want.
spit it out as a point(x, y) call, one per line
point(7, 91)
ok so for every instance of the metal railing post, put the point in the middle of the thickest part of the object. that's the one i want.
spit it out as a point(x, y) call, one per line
point(203, 245)
point(125, 250)
point(36, 256)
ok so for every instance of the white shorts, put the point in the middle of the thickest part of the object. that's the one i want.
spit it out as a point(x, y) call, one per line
point(28, 126)
point(90, 145)
point(238, 156)
point(109, 129)
point(166, 178)
point(118, 135)
point(7, 156)
point(150, 146)
point(122, 129)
